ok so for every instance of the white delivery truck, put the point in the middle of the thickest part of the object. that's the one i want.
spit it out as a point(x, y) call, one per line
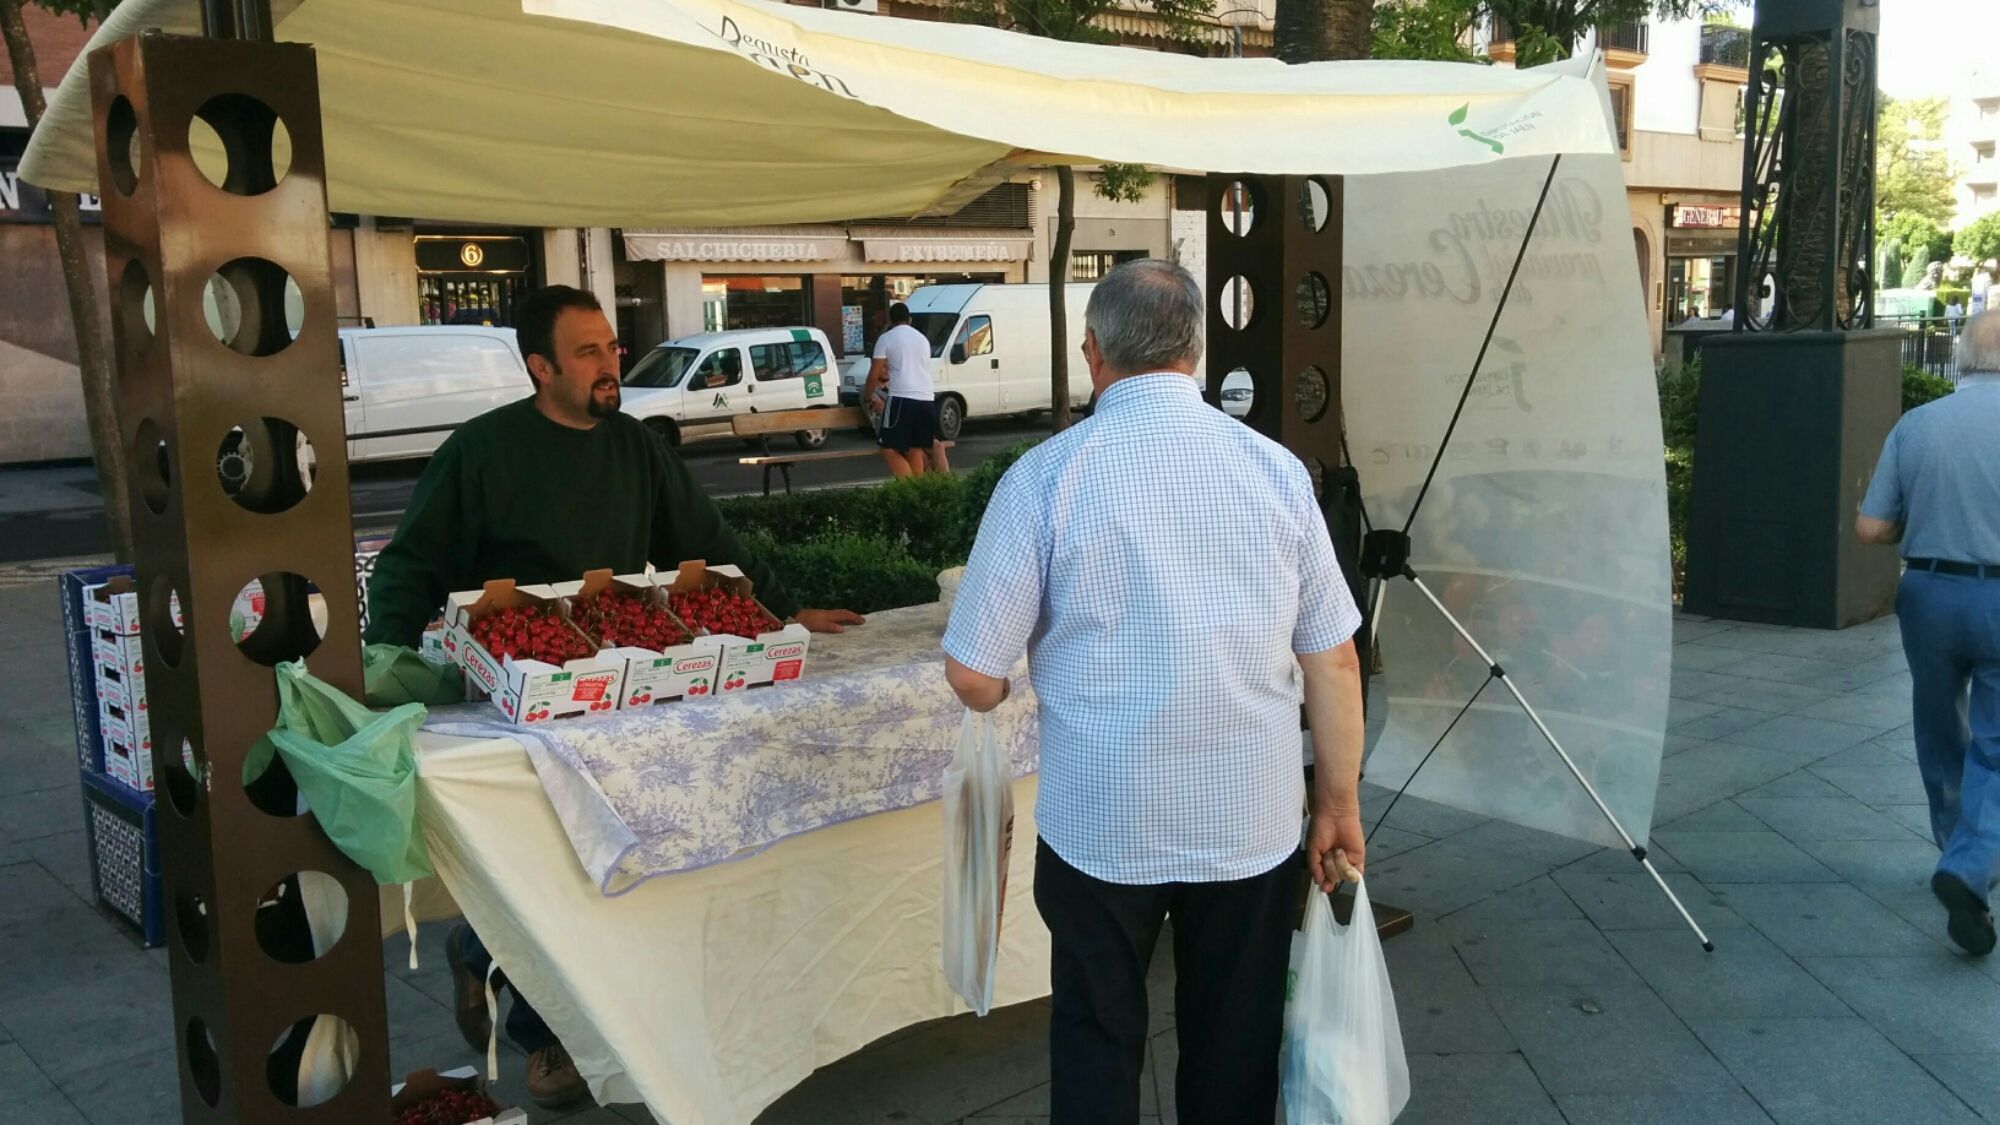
point(693, 386)
point(989, 350)
point(404, 390)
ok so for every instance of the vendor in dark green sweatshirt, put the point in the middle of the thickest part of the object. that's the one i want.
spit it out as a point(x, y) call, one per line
point(542, 490)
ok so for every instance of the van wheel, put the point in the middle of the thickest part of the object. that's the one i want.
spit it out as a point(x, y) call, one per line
point(810, 439)
point(669, 433)
point(951, 415)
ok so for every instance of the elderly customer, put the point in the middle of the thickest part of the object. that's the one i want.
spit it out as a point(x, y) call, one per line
point(1169, 574)
point(1937, 492)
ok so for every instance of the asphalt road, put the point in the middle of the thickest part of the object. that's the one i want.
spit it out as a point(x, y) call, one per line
point(72, 523)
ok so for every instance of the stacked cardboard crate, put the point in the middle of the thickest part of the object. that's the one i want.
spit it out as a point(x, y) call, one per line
point(118, 667)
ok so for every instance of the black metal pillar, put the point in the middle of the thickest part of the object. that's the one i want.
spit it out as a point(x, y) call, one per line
point(1796, 402)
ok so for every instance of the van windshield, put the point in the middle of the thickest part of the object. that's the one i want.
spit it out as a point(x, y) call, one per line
point(662, 367)
point(936, 327)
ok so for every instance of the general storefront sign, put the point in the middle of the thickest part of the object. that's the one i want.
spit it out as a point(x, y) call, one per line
point(709, 246)
point(1697, 216)
point(23, 202)
point(945, 249)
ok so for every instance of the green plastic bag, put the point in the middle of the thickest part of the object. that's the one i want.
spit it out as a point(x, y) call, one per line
point(356, 770)
point(393, 675)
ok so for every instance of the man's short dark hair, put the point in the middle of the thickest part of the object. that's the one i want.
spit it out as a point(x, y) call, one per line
point(535, 318)
point(899, 313)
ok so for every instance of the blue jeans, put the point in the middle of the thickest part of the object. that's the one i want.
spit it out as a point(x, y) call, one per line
point(1951, 635)
point(524, 1026)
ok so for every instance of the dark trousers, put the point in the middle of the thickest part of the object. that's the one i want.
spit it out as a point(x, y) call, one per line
point(523, 1025)
point(1232, 946)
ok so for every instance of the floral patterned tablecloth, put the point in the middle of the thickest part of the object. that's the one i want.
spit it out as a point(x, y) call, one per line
point(869, 729)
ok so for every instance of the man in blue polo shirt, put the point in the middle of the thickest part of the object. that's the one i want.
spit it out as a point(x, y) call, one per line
point(1936, 491)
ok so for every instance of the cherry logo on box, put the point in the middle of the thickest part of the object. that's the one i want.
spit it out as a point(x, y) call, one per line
point(698, 686)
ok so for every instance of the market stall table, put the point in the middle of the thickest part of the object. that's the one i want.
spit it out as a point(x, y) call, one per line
point(708, 992)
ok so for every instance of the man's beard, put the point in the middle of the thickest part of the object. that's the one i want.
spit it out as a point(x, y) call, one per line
point(601, 408)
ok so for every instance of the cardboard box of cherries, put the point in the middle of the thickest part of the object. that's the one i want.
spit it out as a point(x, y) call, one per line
point(518, 645)
point(628, 615)
point(757, 648)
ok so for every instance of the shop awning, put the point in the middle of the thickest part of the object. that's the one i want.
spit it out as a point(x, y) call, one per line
point(696, 113)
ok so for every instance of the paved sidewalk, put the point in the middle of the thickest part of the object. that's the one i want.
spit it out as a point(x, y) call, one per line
point(1546, 981)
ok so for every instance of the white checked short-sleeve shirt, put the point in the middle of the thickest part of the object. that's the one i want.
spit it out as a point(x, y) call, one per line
point(1161, 563)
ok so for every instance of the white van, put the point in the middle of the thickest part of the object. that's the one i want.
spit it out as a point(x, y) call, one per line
point(406, 389)
point(990, 350)
point(693, 386)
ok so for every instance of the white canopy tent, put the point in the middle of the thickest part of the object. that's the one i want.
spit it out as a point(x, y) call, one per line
point(1546, 529)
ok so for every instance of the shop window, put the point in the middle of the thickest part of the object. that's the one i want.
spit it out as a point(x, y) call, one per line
point(977, 336)
point(1091, 265)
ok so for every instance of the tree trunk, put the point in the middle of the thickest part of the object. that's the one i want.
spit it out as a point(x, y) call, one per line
point(100, 404)
point(1058, 299)
point(1321, 30)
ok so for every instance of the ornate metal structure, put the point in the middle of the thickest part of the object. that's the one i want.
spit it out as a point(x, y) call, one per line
point(1807, 246)
point(240, 227)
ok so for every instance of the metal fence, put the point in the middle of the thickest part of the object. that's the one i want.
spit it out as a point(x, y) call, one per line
point(1929, 342)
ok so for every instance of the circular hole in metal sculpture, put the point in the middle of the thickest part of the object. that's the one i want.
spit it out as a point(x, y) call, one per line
point(184, 778)
point(1311, 394)
point(1312, 300)
point(1315, 205)
point(268, 783)
point(282, 1068)
point(240, 144)
point(250, 471)
point(277, 618)
point(135, 306)
point(1237, 302)
point(204, 1064)
point(163, 622)
point(191, 922)
point(302, 917)
point(1239, 208)
point(1239, 394)
point(121, 143)
point(152, 464)
point(253, 306)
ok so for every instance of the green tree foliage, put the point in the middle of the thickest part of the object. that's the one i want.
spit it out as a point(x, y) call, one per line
point(1425, 29)
point(1980, 241)
point(1912, 170)
point(1918, 237)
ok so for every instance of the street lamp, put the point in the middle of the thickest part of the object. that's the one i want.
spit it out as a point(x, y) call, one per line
point(1236, 19)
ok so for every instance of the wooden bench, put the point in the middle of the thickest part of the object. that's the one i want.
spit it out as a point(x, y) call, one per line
point(760, 427)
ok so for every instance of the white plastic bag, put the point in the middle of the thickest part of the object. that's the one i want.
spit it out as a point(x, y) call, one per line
point(1342, 1062)
point(978, 838)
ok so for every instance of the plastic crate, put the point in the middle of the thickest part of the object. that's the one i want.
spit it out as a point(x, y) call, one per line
point(82, 662)
point(124, 854)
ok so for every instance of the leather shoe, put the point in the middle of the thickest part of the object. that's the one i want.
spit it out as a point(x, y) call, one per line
point(468, 992)
point(552, 1078)
point(1969, 924)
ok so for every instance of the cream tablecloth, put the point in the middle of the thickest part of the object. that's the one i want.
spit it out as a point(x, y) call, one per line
point(709, 993)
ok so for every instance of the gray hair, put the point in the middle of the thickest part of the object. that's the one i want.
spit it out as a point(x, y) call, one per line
point(1147, 316)
point(1979, 344)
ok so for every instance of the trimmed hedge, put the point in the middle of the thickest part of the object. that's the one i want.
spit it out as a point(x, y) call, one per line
point(874, 547)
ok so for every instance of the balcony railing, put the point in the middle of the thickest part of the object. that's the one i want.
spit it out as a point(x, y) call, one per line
point(1632, 35)
point(1722, 45)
